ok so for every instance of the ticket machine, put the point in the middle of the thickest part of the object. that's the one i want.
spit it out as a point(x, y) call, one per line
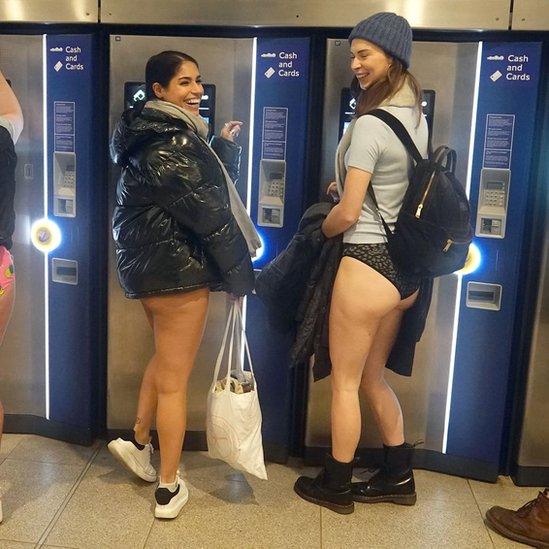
point(52, 355)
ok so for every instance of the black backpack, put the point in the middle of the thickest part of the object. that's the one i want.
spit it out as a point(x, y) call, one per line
point(433, 230)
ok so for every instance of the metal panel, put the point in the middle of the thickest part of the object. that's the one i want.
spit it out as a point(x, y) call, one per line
point(227, 63)
point(534, 445)
point(449, 69)
point(530, 15)
point(22, 356)
point(49, 11)
point(432, 14)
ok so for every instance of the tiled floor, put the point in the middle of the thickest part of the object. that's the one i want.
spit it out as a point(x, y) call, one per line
point(60, 495)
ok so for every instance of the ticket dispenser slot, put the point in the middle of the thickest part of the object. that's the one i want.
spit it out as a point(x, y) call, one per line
point(493, 202)
point(272, 188)
point(64, 271)
point(64, 184)
point(482, 295)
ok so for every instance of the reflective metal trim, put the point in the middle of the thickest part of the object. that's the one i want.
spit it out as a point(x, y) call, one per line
point(49, 11)
point(530, 15)
point(431, 14)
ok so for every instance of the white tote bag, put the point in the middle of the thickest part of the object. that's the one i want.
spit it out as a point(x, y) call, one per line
point(233, 422)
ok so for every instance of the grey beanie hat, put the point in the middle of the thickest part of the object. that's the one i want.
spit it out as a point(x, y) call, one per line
point(389, 31)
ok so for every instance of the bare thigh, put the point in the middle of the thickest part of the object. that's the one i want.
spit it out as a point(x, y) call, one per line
point(385, 338)
point(178, 321)
point(361, 299)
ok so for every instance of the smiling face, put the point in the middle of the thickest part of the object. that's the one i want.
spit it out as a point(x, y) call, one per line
point(368, 62)
point(184, 89)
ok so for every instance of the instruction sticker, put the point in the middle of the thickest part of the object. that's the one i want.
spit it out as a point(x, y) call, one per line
point(275, 127)
point(498, 141)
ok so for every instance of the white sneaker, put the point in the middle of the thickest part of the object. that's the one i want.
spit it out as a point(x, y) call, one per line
point(168, 504)
point(135, 460)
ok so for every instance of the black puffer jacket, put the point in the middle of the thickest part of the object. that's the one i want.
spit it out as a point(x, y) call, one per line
point(173, 225)
point(8, 161)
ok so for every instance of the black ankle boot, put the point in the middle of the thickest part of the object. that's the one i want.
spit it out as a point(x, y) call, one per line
point(394, 482)
point(331, 488)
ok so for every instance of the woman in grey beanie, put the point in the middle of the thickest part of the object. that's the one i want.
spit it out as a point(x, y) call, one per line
point(370, 294)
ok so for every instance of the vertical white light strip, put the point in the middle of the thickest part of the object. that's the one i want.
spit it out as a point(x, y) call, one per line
point(250, 159)
point(459, 276)
point(46, 258)
point(251, 134)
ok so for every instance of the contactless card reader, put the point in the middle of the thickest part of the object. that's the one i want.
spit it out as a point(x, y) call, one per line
point(493, 201)
point(64, 184)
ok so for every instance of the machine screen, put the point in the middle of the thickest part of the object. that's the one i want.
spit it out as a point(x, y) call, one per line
point(347, 110)
point(428, 105)
point(133, 93)
point(494, 186)
point(348, 104)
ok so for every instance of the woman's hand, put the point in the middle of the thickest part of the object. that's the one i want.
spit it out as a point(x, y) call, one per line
point(231, 130)
point(345, 214)
point(332, 192)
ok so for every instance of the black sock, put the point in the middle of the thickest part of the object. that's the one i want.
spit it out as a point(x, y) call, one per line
point(136, 444)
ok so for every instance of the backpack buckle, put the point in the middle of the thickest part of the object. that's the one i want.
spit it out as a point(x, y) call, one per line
point(449, 242)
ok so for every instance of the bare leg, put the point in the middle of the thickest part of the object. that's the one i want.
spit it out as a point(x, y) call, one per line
point(361, 298)
point(6, 307)
point(146, 406)
point(179, 321)
point(381, 398)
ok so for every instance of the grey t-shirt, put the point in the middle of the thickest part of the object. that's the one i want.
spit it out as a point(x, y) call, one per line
point(376, 149)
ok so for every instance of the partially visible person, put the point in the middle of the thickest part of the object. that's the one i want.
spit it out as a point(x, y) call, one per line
point(529, 524)
point(181, 231)
point(11, 126)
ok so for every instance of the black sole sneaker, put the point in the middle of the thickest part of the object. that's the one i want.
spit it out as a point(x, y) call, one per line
point(169, 504)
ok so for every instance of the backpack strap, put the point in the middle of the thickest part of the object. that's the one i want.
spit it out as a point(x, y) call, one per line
point(400, 131)
point(372, 195)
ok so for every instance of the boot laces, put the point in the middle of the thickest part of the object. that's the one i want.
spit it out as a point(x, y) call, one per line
point(524, 511)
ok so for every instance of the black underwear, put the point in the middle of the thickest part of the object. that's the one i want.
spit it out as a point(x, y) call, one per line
point(377, 257)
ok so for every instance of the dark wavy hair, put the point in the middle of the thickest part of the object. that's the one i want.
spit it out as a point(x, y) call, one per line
point(397, 75)
point(162, 67)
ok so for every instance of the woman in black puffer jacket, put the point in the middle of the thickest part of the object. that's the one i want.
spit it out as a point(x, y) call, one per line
point(176, 240)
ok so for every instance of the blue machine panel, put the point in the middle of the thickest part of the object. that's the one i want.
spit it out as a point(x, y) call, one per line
point(72, 204)
point(500, 176)
point(280, 132)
